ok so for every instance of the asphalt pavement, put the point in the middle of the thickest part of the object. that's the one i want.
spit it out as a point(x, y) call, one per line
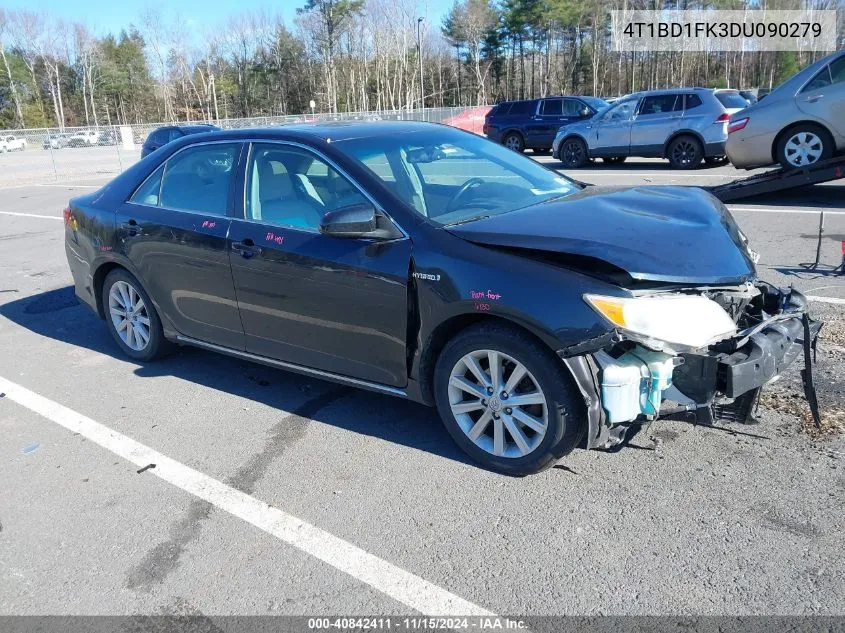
point(278, 494)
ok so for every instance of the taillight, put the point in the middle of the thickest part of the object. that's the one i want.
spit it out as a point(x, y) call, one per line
point(485, 129)
point(723, 117)
point(67, 215)
point(736, 126)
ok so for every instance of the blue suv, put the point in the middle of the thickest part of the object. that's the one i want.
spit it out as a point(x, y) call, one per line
point(533, 123)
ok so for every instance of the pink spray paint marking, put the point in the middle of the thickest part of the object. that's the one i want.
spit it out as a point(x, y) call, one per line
point(272, 237)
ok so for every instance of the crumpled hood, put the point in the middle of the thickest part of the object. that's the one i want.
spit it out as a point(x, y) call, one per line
point(669, 234)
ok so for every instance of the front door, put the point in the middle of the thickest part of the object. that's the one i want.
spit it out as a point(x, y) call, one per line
point(328, 303)
point(174, 228)
point(611, 135)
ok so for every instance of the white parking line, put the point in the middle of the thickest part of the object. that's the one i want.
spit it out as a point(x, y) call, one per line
point(51, 184)
point(833, 300)
point(401, 585)
point(31, 215)
point(786, 210)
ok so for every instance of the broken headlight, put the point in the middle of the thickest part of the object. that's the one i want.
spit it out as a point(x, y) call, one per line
point(664, 321)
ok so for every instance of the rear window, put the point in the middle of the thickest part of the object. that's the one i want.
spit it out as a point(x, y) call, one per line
point(693, 101)
point(521, 107)
point(501, 110)
point(731, 99)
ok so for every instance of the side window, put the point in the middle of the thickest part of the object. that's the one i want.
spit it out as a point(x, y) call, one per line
point(573, 107)
point(552, 107)
point(198, 178)
point(620, 112)
point(837, 71)
point(159, 137)
point(522, 108)
point(148, 192)
point(821, 80)
point(658, 104)
point(173, 135)
point(292, 187)
point(693, 101)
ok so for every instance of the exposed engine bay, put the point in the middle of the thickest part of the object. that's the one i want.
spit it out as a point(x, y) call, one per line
point(627, 377)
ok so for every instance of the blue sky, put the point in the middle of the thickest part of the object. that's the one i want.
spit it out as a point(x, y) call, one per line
point(111, 16)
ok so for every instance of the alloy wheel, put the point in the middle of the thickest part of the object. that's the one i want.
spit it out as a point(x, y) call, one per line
point(129, 316)
point(498, 404)
point(513, 142)
point(684, 152)
point(573, 153)
point(803, 148)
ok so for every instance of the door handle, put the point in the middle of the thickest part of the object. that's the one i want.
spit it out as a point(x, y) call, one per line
point(131, 228)
point(246, 248)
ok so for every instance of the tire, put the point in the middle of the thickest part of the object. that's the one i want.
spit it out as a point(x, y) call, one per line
point(573, 153)
point(814, 140)
point(715, 161)
point(156, 345)
point(614, 160)
point(557, 423)
point(513, 140)
point(685, 152)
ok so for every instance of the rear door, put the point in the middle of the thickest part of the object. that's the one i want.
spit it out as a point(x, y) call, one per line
point(824, 96)
point(545, 122)
point(657, 118)
point(173, 229)
point(333, 304)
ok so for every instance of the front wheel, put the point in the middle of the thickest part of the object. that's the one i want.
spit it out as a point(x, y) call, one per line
point(685, 152)
point(573, 153)
point(131, 317)
point(506, 400)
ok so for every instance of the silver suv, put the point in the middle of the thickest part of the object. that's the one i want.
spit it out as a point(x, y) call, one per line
point(685, 125)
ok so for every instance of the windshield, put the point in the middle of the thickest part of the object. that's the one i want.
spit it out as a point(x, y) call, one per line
point(596, 103)
point(452, 177)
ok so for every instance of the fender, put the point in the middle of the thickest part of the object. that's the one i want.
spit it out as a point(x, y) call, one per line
point(683, 132)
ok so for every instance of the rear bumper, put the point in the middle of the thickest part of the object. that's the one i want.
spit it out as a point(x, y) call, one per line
point(715, 148)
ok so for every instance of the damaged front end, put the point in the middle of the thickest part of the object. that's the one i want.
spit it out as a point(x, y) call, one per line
point(709, 350)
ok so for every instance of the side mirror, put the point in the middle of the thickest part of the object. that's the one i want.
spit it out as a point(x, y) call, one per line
point(586, 113)
point(357, 220)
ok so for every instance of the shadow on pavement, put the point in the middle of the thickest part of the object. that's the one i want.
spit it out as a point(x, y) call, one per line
point(56, 314)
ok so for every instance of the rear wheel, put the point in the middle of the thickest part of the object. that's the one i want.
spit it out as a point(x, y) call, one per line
point(573, 153)
point(804, 145)
point(685, 152)
point(514, 141)
point(131, 317)
point(506, 400)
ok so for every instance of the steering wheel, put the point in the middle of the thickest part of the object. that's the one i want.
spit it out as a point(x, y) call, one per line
point(469, 184)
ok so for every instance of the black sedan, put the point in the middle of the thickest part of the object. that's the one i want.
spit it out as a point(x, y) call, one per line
point(428, 263)
point(163, 135)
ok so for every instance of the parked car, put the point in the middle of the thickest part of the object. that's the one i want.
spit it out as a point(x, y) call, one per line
point(470, 120)
point(683, 125)
point(163, 135)
point(749, 96)
point(428, 263)
point(83, 138)
point(800, 122)
point(107, 137)
point(532, 124)
point(56, 141)
point(10, 143)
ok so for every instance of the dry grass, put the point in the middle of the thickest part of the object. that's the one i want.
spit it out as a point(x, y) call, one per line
point(791, 402)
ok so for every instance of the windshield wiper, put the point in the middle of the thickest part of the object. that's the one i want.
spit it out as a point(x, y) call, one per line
point(470, 219)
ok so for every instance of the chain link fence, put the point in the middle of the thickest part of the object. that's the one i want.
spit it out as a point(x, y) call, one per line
point(53, 154)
